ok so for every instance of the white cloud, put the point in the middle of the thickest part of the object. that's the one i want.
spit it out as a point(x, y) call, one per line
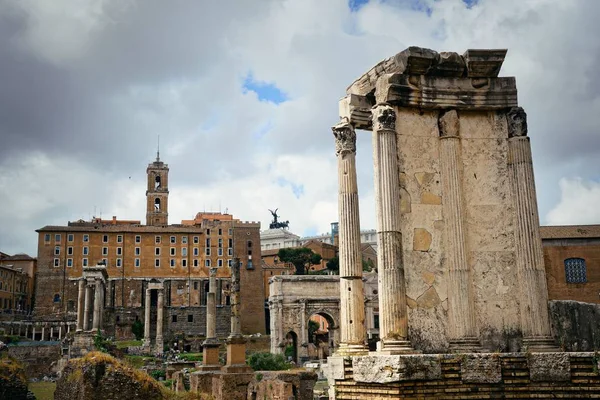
point(579, 200)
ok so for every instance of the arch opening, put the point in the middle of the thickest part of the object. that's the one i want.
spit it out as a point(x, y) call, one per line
point(320, 336)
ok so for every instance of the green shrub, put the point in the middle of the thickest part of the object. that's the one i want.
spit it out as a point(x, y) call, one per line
point(267, 362)
point(168, 383)
point(289, 351)
point(158, 373)
point(102, 344)
point(138, 330)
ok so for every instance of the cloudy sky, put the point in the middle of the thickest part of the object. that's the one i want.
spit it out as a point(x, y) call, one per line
point(243, 95)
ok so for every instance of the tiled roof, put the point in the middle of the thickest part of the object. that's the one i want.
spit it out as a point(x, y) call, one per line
point(570, 231)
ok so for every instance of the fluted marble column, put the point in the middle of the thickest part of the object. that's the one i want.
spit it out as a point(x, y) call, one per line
point(147, 319)
point(97, 306)
point(159, 320)
point(211, 307)
point(86, 307)
point(530, 259)
point(80, 305)
point(352, 307)
point(393, 323)
point(462, 329)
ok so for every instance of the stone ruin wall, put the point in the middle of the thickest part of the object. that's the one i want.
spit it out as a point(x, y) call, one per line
point(489, 228)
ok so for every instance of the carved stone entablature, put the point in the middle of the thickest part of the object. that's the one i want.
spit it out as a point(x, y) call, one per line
point(474, 63)
point(345, 138)
point(432, 92)
point(384, 118)
point(517, 122)
point(357, 109)
point(449, 124)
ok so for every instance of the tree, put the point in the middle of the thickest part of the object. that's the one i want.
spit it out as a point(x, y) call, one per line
point(300, 257)
point(333, 265)
point(313, 327)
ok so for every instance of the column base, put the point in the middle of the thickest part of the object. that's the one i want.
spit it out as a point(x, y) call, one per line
point(540, 344)
point(236, 354)
point(394, 347)
point(210, 356)
point(347, 349)
point(159, 345)
point(465, 345)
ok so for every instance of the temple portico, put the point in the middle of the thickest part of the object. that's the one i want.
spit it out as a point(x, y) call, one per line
point(159, 340)
point(90, 298)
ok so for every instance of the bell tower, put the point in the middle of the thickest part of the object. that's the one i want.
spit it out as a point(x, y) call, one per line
point(157, 195)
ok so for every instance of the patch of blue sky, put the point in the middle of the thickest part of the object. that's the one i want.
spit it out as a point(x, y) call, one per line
point(262, 130)
point(470, 3)
point(298, 190)
point(355, 5)
point(264, 90)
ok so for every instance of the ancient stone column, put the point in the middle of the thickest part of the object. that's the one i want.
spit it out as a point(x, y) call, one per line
point(43, 333)
point(33, 333)
point(60, 331)
point(211, 306)
point(352, 307)
point(80, 305)
point(393, 328)
point(530, 259)
point(51, 332)
point(304, 336)
point(236, 343)
point(147, 319)
point(97, 306)
point(109, 287)
point(462, 329)
point(159, 321)
point(86, 307)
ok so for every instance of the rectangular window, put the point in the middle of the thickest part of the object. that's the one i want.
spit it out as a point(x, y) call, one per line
point(157, 239)
point(220, 252)
point(220, 242)
point(57, 238)
point(56, 263)
point(207, 263)
point(173, 240)
point(195, 263)
point(157, 251)
point(86, 238)
point(230, 231)
point(138, 251)
point(220, 231)
point(172, 251)
point(47, 238)
point(84, 262)
point(208, 232)
point(119, 265)
point(172, 263)
point(105, 261)
point(157, 262)
point(184, 251)
point(70, 238)
point(119, 238)
point(69, 251)
point(105, 251)
point(57, 250)
point(207, 242)
point(119, 251)
point(137, 262)
point(190, 318)
point(230, 243)
point(138, 239)
point(69, 262)
point(184, 263)
point(219, 262)
point(196, 240)
point(230, 251)
point(104, 238)
point(195, 285)
point(86, 250)
point(208, 251)
point(230, 262)
point(184, 239)
point(174, 318)
point(196, 252)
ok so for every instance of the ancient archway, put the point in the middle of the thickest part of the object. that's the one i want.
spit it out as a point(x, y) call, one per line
point(294, 299)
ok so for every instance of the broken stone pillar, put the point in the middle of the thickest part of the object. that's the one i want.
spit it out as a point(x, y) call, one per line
point(236, 343)
point(393, 328)
point(352, 306)
point(86, 307)
point(97, 306)
point(530, 259)
point(159, 321)
point(147, 319)
point(210, 346)
point(462, 329)
point(80, 305)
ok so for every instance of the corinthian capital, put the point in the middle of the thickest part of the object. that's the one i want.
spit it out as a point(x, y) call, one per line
point(384, 117)
point(517, 122)
point(345, 138)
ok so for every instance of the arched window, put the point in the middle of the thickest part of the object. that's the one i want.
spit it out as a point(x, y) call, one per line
point(575, 270)
point(157, 182)
point(157, 204)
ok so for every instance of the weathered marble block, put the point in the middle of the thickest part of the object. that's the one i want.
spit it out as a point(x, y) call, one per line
point(396, 368)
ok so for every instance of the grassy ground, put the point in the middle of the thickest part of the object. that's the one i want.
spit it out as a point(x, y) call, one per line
point(191, 356)
point(43, 390)
point(127, 343)
point(137, 361)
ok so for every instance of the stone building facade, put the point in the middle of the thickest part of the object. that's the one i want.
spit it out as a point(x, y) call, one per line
point(17, 274)
point(572, 260)
point(137, 257)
